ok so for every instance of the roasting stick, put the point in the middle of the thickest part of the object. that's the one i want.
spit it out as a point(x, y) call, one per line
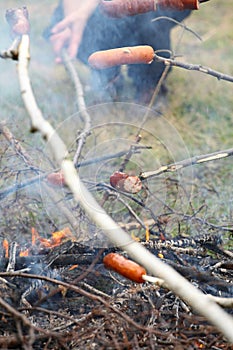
point(136, 273)
point(130, 269)
point(187, 162)
point(195, 67)
point(175, 282)
point(145, 55)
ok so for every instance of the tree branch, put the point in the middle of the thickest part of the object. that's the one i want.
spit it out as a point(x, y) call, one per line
point(196, 67)
point(171, 168)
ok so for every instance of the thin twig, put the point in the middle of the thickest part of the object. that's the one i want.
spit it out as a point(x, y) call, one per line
point(36, 179)
point(18, 148)
point(81, 104)
point(13, 51)
point(23, 154)
point(196, 67)
point(179, 24)
point(20, 185)
point(59, 314)
point(187, 162)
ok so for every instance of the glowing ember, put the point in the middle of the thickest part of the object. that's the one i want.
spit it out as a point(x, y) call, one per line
point(73, 267)
point(200, 345)
point(147, 234)
point(24, 253)
point(135, 238)
point(5, 244)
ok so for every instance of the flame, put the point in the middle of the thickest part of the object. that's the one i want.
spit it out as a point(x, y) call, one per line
point(73, 267)
point(147, 234)
point(57, 238)
point(135, 238)
point(24, 252)
point(5, 244)
point(200, 345)
point(35, 235)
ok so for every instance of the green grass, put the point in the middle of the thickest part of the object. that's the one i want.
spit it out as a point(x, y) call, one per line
point(201, 102)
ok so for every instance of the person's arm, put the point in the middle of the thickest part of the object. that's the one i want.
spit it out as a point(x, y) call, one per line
point(68, 32)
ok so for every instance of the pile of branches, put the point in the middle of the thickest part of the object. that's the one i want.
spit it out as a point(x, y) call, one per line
point(64, 298)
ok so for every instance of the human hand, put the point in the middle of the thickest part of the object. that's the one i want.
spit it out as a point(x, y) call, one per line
point(68, 32)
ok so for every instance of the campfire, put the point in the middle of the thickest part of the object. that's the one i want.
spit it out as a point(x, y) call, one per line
point(60, 277)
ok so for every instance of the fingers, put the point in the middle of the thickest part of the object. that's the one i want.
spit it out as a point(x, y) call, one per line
point(68, 33)
point(59, 41)
point(60, 26)
point(73, 46)
point(68, 21)
point(75, 38)
point(66, 38)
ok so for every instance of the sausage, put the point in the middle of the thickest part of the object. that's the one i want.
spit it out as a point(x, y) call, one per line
point(124, 55)
point(125, 182)
point(18, 19)
point(56, 179)
point(124, 267)
point(179, 4)
point(120, 8)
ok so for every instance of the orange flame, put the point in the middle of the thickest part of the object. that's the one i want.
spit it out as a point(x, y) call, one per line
point(147, 234)
point(24, 252)
point(5, 244)
point(200, 345)
point(35, 236)
point(73, 267)
point(57, 238)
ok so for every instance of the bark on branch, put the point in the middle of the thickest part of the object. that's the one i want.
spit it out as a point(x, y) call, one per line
point(195, 67)
point(171, 168)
